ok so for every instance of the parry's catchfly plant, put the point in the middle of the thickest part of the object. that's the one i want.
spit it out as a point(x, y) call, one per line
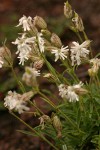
point(72, 119)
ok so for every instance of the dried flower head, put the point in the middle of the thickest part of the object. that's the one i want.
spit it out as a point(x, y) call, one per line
point(57, 125)
point(44, 119)
point(95, 66)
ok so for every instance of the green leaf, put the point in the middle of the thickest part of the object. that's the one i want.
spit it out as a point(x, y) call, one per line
point(27, 132)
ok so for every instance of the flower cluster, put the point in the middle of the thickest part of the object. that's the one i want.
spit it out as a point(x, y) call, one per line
point(39, 46)
point(17, 102)
point(71, 93)
point(79, 51)
point(26, 43)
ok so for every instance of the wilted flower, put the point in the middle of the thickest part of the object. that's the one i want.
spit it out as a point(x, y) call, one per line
point(79, 51)
point(24, 47)
point(44, 119)
point(26, 22)
point(57, 124)
point(17, 102)
point(95, 66)
point(60, 53)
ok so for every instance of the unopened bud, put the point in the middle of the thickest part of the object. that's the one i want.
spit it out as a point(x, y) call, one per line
point(78, 22)
point(68, 10)
point(57, 125)
point(5, 57)
point(38, 64)
point(81, 91)
point(46, 33)
point(56, 40)
point(92, 72)
point(39, 22)
point(34, 30)
point(27, 96)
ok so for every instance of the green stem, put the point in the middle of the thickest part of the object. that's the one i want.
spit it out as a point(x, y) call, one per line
point(32, 129)
point(36, 107)
point(71, 71)
point(19, 83)
point(77, 33)
point(47, 100)
point(54, 106)
point(86, 38)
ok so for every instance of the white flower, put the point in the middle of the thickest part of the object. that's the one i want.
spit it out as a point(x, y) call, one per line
point(23, 55)
point(40, 42)
point(34, 72)
point(15, 101)
point(62, 90)
point(60, 53)
point(96, 63)
point(26, 22)
point(1, 62)
point(70, 92)
point(95, 66)
point(24, 47)
point(71, 95)
point(29, 77)
point(79, 51)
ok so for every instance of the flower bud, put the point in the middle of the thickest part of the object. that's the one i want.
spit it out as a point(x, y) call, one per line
point(92, 72)
point(38, 64)
point(27, 96)
point(5, 57)
point(46, 33)
point(68, 10)
point(34, 30)
point(56, 40)
point(57, 125)
point(78, 22)
point(39, 22)
point(81, 91)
